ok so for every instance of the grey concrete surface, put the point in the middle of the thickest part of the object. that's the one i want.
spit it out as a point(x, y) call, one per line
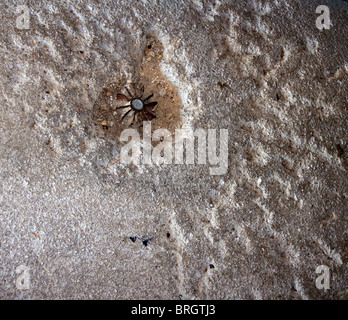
point(261, 69)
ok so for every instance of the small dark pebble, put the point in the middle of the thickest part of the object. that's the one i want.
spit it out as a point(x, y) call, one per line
point(146, 241)
point(211, 266)
point(133, 238)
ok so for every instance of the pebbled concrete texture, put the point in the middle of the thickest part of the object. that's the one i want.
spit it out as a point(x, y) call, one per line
point(261, 69)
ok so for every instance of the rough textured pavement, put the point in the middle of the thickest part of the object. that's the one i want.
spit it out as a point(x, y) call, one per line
point(261, 69)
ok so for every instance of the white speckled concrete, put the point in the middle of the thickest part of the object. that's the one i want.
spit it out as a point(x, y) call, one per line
point(261, 69)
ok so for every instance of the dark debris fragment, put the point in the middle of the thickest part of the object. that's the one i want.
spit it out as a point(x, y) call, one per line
point(146, 241)
point(340, 151)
